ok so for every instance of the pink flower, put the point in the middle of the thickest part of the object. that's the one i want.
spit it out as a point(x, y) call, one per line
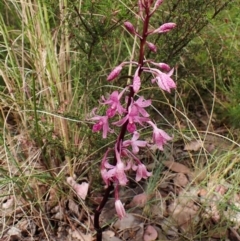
point(166, 27)
point(133, 115)
point(115, 72)
point(115, 105)
point(104, 166)
point(131, 127)
point(160, 137)
point(135, 143)
point(141, 103)
point(120, 209)
point(102, 124)
point(163, 80)
point(141, 171)
point(115, 173)
point(120, 170)
point(130, 28)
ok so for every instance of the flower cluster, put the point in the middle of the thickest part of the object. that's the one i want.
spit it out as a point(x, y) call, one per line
point(128, 111)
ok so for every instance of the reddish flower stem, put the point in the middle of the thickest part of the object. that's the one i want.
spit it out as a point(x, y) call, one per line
point(123, 129)
point(99, 210)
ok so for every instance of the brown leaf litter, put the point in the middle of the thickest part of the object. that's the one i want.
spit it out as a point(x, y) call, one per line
point(175, 208)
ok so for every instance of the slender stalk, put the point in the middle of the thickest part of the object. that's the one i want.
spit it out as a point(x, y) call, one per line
point(99, 210)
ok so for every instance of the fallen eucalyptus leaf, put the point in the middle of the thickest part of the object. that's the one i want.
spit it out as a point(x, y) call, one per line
point(129, 221)
point(176, 167)
point(139, 200)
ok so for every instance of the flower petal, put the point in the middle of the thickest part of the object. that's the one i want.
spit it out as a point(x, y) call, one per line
point(136, 84)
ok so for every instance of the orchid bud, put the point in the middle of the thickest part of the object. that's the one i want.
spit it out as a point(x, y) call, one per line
point(166, 27)
point(120, 209)
point(115, 72)
point(130, 28)
point(162, 66)
point(152, 47)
